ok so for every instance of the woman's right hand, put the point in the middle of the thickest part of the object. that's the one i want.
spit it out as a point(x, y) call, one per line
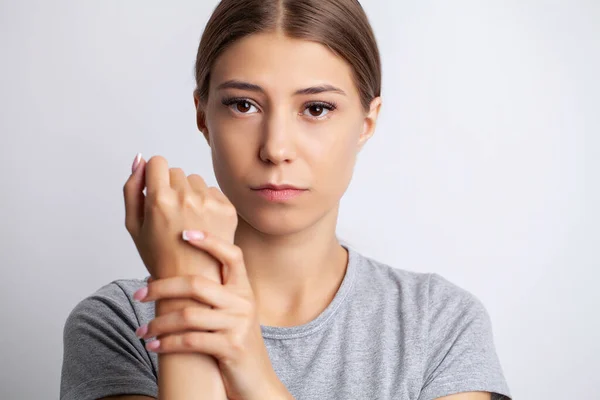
point(173, 203)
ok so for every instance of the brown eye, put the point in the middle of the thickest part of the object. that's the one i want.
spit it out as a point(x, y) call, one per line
point(243, 106)
point(239, 105)
point(316, 110)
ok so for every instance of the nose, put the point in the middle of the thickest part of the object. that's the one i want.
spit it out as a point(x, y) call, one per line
point(278, 144)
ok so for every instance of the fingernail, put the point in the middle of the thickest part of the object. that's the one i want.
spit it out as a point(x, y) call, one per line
point(153, 345)
point(192, 235)
point(141, 293)
point(136, 162)
point(142, 330)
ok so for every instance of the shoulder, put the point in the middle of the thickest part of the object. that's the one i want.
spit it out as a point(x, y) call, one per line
point(377, 273)
point(109, 304)
point(429, 292)
point(450, 305)
point(116, 293)
point(428, 286)
point(443, 293)
point(102, 356)
point(445, 326)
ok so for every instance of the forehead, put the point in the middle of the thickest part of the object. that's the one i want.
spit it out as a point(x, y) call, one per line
point(281, 64)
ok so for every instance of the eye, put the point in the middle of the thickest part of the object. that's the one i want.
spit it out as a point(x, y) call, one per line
point(316, 109)
point(242, 106)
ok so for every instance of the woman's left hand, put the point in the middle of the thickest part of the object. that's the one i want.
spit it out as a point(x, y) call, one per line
point(229, 330)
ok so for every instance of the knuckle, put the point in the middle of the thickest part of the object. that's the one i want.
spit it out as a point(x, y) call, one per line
point(196, 283)
point(238, 255)
point(129, 226)
point(236, 343)
point(210, 203)
point(215, 193)
point(162, 200)
point(176, 171)
point(188, 340)
point(155, 159)
point(188, 314)
point(129, 187)
point(230, 210)
point(232, 216)
point(196, 176)
point(188, 202)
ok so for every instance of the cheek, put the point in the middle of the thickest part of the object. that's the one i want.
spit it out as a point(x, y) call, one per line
point(334, 160)
point(229, 140)
point(228, 159)
point(223, 148)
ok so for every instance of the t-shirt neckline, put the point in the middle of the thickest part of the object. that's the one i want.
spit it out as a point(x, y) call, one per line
point(291, 332)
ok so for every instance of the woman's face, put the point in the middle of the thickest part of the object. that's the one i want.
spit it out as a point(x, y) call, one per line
point(269, 133)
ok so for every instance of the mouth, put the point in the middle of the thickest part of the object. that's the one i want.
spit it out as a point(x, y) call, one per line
point(278, 193)
point(277, 187)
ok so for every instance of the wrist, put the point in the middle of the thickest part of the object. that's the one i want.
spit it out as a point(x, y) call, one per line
point(273, 390)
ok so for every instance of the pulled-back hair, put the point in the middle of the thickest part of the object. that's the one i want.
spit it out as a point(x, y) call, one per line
point(341, 25)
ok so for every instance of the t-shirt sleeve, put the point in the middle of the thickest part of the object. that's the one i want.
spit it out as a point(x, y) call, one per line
point(102, 356)
point(460, 351)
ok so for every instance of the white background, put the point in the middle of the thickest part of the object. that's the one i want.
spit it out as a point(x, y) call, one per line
point(484, 166)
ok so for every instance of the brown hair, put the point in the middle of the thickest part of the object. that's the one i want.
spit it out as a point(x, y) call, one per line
point(341, 25)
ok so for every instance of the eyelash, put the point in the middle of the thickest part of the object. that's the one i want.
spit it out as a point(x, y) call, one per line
point(228, 101)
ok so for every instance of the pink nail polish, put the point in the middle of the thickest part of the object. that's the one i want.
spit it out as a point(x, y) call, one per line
point(153, 345)
point(142, 330)
point(141, 293)
point(136, 162)
point(192, 235)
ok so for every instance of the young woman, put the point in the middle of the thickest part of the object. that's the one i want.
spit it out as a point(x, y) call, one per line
point(252, 295)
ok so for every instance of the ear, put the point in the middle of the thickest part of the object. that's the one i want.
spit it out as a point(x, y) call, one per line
point(370, 122)
point(201, 117)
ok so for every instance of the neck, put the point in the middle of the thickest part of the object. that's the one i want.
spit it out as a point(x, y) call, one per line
point(293, 277)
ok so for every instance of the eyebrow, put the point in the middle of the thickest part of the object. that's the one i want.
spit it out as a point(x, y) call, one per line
point(236, 84)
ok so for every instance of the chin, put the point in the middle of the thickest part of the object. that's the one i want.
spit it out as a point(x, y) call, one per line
point(277, 222)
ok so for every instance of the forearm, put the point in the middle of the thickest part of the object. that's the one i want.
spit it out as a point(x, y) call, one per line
point(189, 376)
point(280, 393)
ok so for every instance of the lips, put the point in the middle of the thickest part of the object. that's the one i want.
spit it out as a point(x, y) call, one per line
point(277, 187)
point(279, 195)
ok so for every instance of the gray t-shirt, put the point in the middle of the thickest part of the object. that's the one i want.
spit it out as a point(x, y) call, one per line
point(387, 334)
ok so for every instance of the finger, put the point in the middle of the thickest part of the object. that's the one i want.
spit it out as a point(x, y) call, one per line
point(133, 193)
point(197, 183)
point(212, 343)
point(157, 174)
point(230, 255)
point(195, 287)
point(178, 180)
point(187, 319)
